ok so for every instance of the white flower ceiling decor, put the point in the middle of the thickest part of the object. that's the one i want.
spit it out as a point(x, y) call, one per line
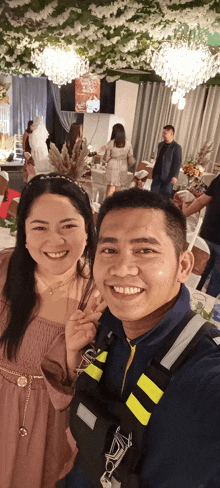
point(112, 35)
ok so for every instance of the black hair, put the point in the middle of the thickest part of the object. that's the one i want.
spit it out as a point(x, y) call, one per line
point(74, 133)
point(19, 288)
point(169, 127)
point(118, 134)
point(30, 122)
point(137, 198)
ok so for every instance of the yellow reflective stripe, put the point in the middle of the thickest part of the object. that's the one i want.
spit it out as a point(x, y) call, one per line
point(138, 410)
point(94, 372)
point(150, 388)
point(102, 357)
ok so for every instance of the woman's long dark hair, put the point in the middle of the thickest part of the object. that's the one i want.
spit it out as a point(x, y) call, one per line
point(74, 133)
point(19, 288)
point(118, 134)
point(30, 122)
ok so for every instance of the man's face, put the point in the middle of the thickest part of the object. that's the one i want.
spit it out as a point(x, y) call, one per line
point(167, 135)
point(136, 268)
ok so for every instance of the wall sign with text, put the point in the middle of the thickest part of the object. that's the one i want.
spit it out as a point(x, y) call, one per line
point(87, 95)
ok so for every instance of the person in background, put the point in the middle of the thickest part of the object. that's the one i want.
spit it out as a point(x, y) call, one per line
point(210, 231)
point(75, 133)
point(167, 165)
point(43, 281)
point(26, 147)
point(118, 156)
point(37, 141)
point(153, 392)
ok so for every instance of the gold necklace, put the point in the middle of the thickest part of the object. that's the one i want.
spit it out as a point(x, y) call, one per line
point(50, 288)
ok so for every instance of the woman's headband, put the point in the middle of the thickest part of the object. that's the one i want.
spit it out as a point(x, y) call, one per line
point(52, 177)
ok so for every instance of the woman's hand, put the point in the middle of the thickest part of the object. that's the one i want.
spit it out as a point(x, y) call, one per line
point(81, 329)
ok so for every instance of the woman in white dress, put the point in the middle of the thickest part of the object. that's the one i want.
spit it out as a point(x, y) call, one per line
point(39, 150)
point(118, 156)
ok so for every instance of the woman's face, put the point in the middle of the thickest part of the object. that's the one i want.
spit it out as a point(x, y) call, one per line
point(31, 127)
point(55, 233)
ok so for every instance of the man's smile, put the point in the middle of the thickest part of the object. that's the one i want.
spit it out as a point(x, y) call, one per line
point(125, 291)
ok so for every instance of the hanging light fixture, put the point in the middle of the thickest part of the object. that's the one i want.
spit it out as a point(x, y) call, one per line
point(60, 64)
point(184, 65)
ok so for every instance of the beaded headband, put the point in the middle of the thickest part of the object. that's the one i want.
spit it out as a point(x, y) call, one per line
point(63, 177)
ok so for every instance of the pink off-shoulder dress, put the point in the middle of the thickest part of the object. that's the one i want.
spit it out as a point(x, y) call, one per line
point(34, 450)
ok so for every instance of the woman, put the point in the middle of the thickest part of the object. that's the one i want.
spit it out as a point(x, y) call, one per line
point(118, 156)
point(44, 280)
point(37, 141)
point(75, 133)
point(26, 147)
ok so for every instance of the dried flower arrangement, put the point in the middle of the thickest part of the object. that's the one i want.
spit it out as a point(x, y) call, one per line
point(76, 165)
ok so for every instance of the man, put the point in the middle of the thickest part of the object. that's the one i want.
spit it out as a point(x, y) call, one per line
point(140, 267)
point(210, 231)
point(168, 162)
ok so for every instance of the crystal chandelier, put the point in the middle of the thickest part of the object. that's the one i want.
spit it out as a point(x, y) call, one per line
point(60, 64)
point(183, 66)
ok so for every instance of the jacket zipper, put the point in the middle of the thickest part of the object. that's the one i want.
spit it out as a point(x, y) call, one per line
point(131, 357)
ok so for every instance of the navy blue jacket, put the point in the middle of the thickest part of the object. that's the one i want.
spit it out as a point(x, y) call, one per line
point(172, 160)
point(182, 442)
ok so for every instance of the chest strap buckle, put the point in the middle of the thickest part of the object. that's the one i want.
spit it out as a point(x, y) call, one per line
point(118, 449)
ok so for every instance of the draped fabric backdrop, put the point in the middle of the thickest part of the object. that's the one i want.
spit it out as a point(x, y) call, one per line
point(29, 99)
point(198, 122)
point(66, 118)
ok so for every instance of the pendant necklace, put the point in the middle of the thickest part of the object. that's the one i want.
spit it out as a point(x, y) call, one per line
point(50, 288)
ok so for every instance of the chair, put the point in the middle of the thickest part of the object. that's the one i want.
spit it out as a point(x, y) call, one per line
point(149, 168)
point(139, 178)
point(12, 208)
point(4, 179)
point(201, 252)
point(18, 146)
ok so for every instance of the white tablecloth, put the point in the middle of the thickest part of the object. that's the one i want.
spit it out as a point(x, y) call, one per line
point(98, 176)
point(183, 178)
point(99, 183)
point(6, 239)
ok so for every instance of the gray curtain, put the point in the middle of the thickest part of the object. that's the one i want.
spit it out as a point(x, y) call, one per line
point(29, 99)
point(210, 127)
point(66, 118)
point(198, 122)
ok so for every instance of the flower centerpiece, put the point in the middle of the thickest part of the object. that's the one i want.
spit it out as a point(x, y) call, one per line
point(192, 168)
point(3, 92)
point(195, 167)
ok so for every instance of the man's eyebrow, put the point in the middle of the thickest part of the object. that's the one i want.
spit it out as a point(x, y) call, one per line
point(139, 240)
point(45, 222)
point(147, 240)
point(102, 240)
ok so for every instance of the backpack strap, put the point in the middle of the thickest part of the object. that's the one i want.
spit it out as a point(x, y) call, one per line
point(184, 346)
point(154, 381)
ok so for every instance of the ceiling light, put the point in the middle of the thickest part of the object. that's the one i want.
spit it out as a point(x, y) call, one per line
point(60, 64)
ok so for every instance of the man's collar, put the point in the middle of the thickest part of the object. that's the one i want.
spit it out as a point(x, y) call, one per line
point(169, 143)
point(169, 321)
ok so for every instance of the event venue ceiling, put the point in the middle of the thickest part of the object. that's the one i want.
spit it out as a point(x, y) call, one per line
point(117, 37)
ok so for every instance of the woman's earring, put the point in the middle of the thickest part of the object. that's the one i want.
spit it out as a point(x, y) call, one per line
point(26, 245)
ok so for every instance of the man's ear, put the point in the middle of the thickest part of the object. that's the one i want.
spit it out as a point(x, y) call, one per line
point(186, 263)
